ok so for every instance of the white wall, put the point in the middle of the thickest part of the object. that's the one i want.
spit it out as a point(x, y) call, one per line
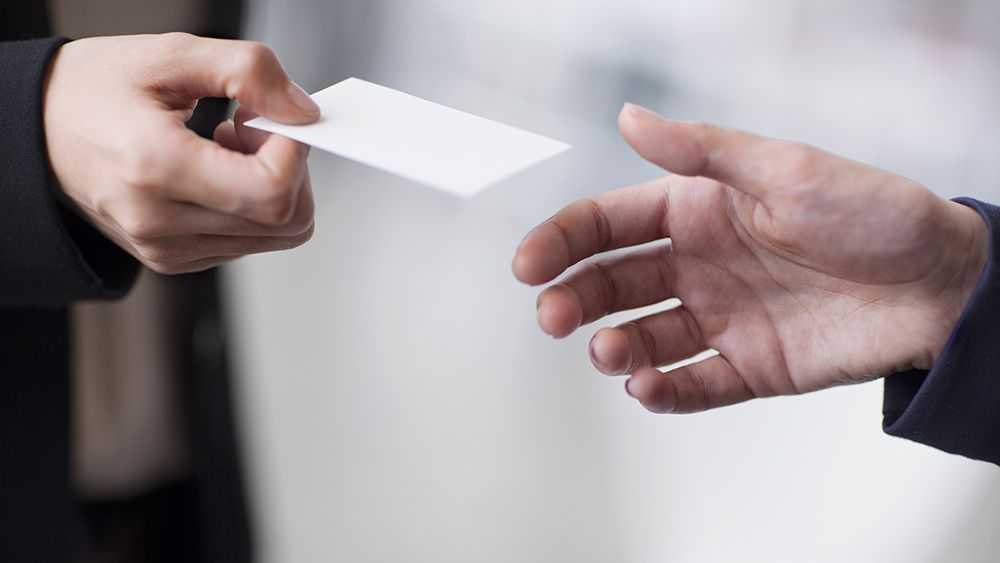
point(397, 400)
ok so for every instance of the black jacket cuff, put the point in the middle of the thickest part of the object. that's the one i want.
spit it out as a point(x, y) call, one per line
point(955, 406)
point(48, 255)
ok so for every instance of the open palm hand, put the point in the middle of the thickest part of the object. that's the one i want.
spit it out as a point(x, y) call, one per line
point(802, 269)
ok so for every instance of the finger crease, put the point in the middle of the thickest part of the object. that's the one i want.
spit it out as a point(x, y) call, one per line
point(601, 224)
point(692, 328)
point(665, 269)
point(746, 386)
point(664, 209)
point(652, 354)
point(673, 387)
point(609, 291)
point(702, 386)
point(570, 258)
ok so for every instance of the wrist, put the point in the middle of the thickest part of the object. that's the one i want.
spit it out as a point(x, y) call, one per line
point(963, 260)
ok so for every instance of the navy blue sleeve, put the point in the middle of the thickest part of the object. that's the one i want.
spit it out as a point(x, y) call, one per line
point(955, 406)
point(48, 254)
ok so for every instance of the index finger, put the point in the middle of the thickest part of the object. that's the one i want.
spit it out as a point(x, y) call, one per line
point(616, 219)
point(245, 71)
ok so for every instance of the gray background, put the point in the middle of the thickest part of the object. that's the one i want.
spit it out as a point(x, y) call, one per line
point(398, 402)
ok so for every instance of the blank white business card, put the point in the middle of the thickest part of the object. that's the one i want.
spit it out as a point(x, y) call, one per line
point(426, 142)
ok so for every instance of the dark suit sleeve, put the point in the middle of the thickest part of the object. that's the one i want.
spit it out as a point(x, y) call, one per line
point(48, 255)
point(955, 406)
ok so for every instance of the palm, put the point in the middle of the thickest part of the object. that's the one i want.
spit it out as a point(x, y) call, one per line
point(802, 269)
point(802, 316)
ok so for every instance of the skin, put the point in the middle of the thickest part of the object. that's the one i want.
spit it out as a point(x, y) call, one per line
point(114, 113)
point(804, 270)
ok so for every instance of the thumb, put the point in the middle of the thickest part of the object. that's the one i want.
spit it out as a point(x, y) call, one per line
point(729, 156)
point(245, 71)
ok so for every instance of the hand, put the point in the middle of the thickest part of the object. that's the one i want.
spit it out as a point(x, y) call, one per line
point(114, 111)
point(803, 270)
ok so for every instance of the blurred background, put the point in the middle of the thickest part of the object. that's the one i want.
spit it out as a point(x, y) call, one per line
point(396, 401)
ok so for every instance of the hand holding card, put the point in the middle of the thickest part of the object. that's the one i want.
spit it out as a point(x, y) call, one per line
point(129, 166)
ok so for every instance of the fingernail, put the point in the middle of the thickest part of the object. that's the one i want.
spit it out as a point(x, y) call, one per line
point(638, 110)
point(538, 320)
point(302, 100)
point(627, 391)
point(593, 356)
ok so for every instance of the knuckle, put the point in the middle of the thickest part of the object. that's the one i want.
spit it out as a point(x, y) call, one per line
point(795, 164)
point(279, 242)
point(606, 286)
point(699, 153)
point(602, 227)
point(275, 211)
point(303, 237)
point(177, 37)
point(278, 207)
point(102, 205)
point(297, 226)
point(704, 131)
point(142, 168)
point(643, 345)
point(255, 58)
point(157, 255)
point(302, 219)
point(139, 226)
point(169, 46)
point(160, 267)
point(252, 63)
